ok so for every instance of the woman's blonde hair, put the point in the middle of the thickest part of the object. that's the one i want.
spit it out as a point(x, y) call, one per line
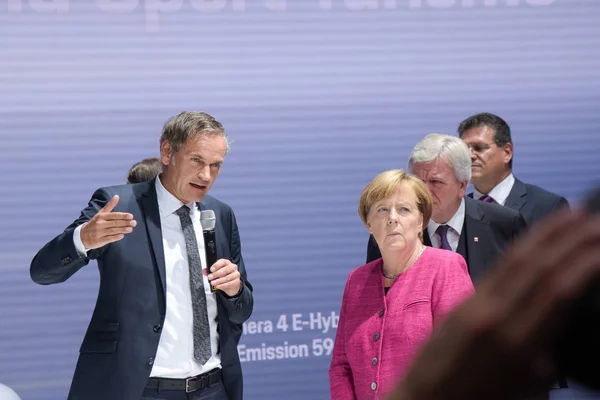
point(386, 184)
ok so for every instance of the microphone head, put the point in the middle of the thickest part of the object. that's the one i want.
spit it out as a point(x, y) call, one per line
point(208, 220)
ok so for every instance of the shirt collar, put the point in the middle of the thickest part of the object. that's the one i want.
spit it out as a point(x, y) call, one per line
point(167, 203)
point(500, 192)
point(456, 222)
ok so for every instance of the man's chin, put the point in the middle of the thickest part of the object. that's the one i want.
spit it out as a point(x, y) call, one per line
point(475, 176)
point(197, 198)
point(193, 197)
point(436, 218)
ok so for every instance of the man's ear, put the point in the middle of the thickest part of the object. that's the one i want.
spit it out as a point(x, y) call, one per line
point(166, 153)
point(463, 188)
point(508, 153)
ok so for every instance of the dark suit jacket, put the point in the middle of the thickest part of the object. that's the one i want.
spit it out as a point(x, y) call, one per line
point(118, 350)
point(487, 230)
point(533, 202)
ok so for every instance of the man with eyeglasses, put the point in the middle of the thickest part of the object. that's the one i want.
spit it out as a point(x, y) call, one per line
point(488, 138)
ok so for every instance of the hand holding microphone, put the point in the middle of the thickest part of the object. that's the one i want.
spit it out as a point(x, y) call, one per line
point(222, 274)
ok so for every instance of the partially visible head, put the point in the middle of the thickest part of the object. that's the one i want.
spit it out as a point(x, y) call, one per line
point(144, 171)
point(395, 207)
point(193, 146)
point(488, 138)
point(7, 393)
point(443, 163)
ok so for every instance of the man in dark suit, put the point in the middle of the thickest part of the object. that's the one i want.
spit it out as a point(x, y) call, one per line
point(478, 231)
point(158, 331)
point(489, 139)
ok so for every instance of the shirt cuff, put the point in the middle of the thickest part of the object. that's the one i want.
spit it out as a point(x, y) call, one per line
point(81, 250)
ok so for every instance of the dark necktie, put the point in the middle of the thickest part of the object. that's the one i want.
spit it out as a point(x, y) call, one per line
point(202, 350)
point(487, 199)
point(442, 231)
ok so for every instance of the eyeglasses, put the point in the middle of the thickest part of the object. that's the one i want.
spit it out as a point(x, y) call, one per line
point(480, 147)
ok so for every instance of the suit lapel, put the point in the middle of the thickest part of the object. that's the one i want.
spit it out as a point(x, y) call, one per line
point(152, 219)
point(475, 230)
point(462, 243)
point(517, 197)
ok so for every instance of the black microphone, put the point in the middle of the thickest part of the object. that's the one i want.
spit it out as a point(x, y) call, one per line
point(208, 221)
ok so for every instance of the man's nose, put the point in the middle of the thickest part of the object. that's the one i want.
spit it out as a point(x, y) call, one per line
point(473, 156)
point(204, 173)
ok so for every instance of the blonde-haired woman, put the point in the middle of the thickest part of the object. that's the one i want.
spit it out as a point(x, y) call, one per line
point(390, 305)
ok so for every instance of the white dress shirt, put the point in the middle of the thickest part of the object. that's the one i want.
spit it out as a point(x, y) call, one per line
point(175, 354)
point(500, 192)
point(455, 225)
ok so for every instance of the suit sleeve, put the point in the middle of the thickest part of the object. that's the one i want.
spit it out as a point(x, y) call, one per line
point(519, 226)
point(373, 252)
point(58, 260)
point(239, 308)
point(341, 383)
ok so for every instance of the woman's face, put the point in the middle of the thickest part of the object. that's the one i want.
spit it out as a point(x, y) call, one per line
point(395, 222)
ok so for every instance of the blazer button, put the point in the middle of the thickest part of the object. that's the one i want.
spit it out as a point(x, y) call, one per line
point(374, 361)
point(376, 337)
point(381, 313)
point(374, 386)
point(157, 327)
point(151, 361)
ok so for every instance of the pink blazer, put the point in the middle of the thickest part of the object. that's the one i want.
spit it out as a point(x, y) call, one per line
point(378, 334)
